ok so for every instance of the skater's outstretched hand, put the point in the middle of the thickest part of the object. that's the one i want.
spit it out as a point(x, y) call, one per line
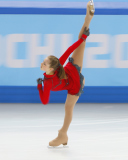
point(86, 31)
point(39, 80)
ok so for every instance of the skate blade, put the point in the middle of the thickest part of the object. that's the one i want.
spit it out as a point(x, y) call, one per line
point(58, 147)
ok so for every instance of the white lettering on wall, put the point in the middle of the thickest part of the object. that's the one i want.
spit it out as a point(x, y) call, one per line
point(9, 51)
point(120, 39)
point(65, 43)
point(35, 49)
point(11, 60)
point(91, 62)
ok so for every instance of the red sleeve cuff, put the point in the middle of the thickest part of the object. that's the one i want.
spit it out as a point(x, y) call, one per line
point(84, 36)
point(39, 86)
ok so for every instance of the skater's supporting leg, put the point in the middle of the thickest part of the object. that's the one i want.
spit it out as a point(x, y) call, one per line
point(69, 106)
point(62, 135)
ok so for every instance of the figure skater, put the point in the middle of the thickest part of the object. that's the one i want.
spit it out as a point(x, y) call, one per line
point(57, 77)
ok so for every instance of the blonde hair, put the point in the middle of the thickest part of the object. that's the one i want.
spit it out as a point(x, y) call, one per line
point(54, 63)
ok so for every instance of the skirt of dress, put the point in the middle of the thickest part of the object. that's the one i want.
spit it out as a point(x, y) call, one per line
point(73, 70)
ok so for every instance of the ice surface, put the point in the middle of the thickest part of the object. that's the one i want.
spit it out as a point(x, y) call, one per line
point(97, 132)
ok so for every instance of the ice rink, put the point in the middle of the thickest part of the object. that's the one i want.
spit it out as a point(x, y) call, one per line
point(97, 132)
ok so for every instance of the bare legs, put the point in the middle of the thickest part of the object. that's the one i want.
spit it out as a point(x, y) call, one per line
point(87, 20)
point(78, 57)
point(78, 54)
point(69, 106)
point(62, 135)
point(71, 100)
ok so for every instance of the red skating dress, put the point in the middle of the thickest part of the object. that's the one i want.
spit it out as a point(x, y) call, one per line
point(73, 84)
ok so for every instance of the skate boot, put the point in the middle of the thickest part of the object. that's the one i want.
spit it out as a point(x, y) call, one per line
point(62, 138)
point(92, 9)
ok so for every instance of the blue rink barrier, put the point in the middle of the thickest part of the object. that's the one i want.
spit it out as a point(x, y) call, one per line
point(65, 8)
point(61, 11)
point(92, 94)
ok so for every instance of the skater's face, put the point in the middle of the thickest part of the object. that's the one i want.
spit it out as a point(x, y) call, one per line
point(45, 66)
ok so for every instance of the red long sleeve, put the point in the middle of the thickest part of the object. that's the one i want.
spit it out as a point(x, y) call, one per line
point(66, 54)
point(45, 92)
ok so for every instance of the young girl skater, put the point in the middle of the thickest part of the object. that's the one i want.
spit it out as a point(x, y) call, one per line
point(69, 78)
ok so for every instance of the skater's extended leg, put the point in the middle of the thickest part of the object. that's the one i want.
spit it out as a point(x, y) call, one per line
point(78, 54)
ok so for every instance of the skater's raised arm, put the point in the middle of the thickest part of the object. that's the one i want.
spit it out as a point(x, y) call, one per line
point(67, 53)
